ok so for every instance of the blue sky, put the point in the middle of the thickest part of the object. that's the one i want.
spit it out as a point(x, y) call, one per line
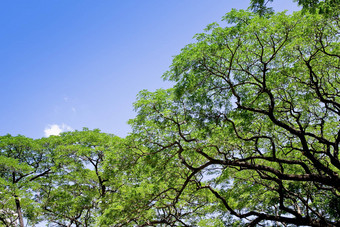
point(69, 64)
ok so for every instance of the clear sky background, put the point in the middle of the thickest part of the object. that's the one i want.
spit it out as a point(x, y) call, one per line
point(69, 64)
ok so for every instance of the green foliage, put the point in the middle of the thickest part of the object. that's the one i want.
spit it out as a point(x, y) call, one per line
point(74, 193)
point(24, 163)
point(249, 135)
point(325, 7)
point(59, 179)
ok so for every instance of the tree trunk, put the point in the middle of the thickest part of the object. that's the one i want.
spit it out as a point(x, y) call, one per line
point(17, 203)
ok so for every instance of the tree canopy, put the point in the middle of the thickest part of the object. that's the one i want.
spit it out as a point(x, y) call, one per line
point(248, 136)
point(250, 132)
point(58, 179)
point(325, 7)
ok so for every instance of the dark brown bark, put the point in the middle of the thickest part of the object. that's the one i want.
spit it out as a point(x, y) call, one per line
point(18, 206)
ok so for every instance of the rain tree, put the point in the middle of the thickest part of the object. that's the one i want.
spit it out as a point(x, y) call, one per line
point(250, 133)
point(58, 179)
point(24, 164)
point(73, 195)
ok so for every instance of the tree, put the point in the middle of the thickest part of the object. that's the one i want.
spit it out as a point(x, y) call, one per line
point(24, 163)
point(58, 179)
point(72, 196)
point(250, 133)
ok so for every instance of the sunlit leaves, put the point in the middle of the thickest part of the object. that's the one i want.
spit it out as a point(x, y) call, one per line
point(253, 119)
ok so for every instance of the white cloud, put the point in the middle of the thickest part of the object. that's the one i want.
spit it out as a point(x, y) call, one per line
point(56, 129)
